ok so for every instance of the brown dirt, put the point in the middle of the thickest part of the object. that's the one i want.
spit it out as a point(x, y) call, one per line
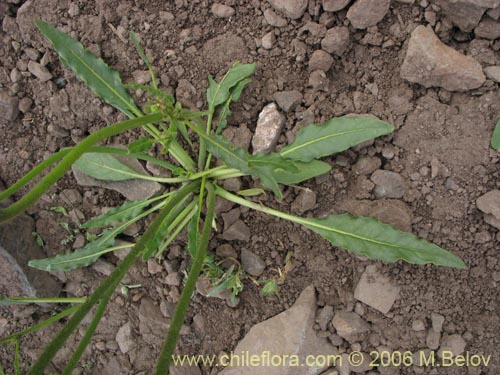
point(453, 128)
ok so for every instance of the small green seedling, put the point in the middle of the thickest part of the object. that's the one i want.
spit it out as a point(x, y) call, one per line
point(191, 204)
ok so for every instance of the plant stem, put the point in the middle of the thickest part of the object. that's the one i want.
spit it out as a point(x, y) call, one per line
point(111, 282)
point(27, 300)
point(69, 159)
point(180, 311)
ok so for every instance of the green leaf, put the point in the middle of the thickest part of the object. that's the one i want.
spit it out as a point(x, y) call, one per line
point(251, 192)
point(261, 166)
point(233, 97)
point(369, 237)
point(192, 234)
point(127, 211)
point(142, 145)
point(218, 93)
point(105, 167)
point(495, 139)
point(305, 172)
point(78, 258)
point(93, 71)
point(337, 135)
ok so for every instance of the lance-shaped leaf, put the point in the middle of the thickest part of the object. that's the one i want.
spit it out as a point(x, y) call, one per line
point(79, 258)
point(337, 135)
point(127, 211)
point(218, 93)
point(261, 166)
point(367, 236)
point(495, 139)
point(105, 167)
point(93, 71)
point(305, 172)
point(233, 97)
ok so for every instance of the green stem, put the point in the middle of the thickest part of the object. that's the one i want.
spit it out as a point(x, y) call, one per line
point(27, 300)
point(111, 282)
point(69, 159)
point(180, 311)
point(40, 325)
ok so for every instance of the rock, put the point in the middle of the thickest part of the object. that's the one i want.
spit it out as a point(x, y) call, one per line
point(222, 11)
point(252, 263)
point(376, 290)
point(312, 33)
point(493, 73)
point(152, 323)
point(489, 203)
point(334, 5)
point(39, 71)
point(184, 369)
point(432, 339)
point(324, 317)
point(437, 322)
point(14, 281)
point(132, 189)
point(268, 40)
point(388, 184)
point(305, 201)
point(320, 60)
point(319, 81)
point(367, 13)
point(488, 29)
point(350, 326)
point(103, 267)
point(232, 184)
point(366, 165)
point(268, 130)
point(274, 19)
point(293, 9)
point(336, 40)
point(430, 62)
point(494, 13)
point(288, 100)
point(237, 231)
point(418, 326)
point(464, 14)
point(173, 279)
point(453, 343)
point(141, 76)
point(25, 104)
point(124, 338)
point(154, 267)
point(226, 251)
point(289, 333)
point(9, 107)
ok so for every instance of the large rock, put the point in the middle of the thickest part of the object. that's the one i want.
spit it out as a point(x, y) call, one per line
point(376, 290)
point(367, 13)
point(290, 8)
point(489, 203)
point(334, 5)
point(336, 40)
point(268, 130)
point(465, 14)
point(132, 189)
point(290, 333)
point(430, 62)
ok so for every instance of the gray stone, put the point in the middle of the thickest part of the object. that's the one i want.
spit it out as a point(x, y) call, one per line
point(141, 76)
point(388, 184)
point(39, 71)
point(493, 73)
point(293, 9)
point(237, 231)
point(350, 326)
point(14, 281)
point(124, 338)
point(366, 165)
point(8, 107)
point(489, 203)
point(418, 325)
point(288, 100)
point(324, 317)
point(268, 40)
point(154, 267)
point(376, 290)
point(291, 332)
point(222, 11)
point(431, 63)
point(132, 189)
point(488, 29)
point(464, 14)
point(268, 130)
point(226, 251)
point(25, 104)
point(152, 323)
point(305, 201)
point(454, 344)
point(336, 40)
point(432, 339)
point(437, 322)
point(319, 81)
point(252, 263)
point(494, 13)
point(367, 13)
point(320, 60)
point(173, 279)
point(274, 19)
point(334, 5)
